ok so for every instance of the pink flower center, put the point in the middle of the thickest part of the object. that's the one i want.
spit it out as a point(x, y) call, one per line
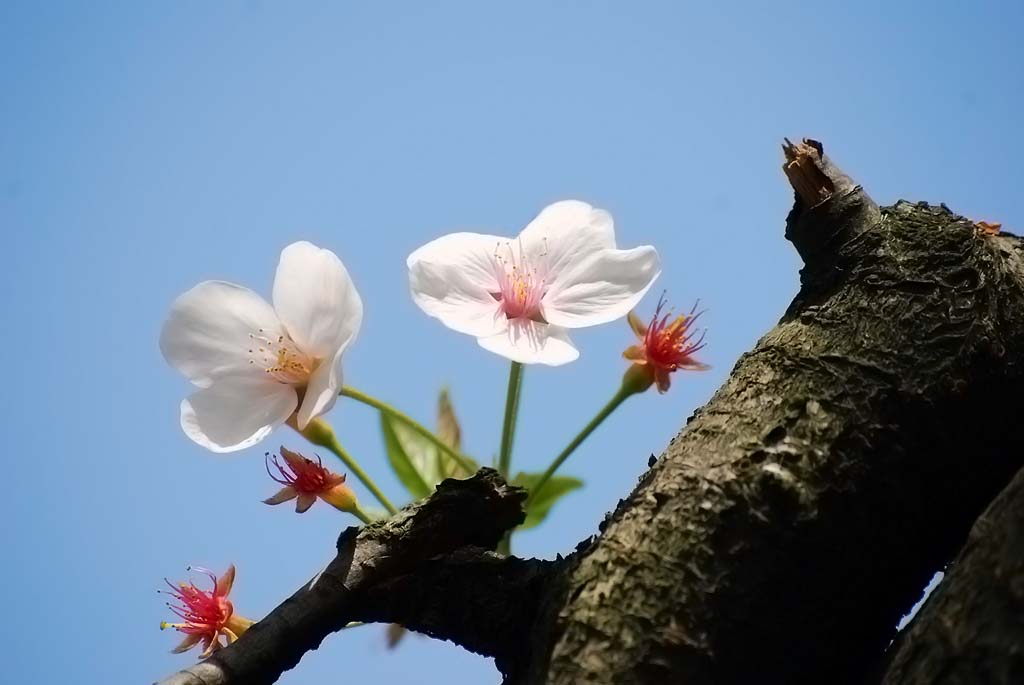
point(521, 287)
point(280, 358)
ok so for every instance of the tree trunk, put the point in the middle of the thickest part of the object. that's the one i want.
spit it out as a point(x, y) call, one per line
point(972, 628)
point(797, 515)
point(792, 521)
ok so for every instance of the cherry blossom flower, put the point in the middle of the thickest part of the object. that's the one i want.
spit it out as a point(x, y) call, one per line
point(206, 616)
point(255, 364)
point(519, 296)
point(304, 480)
point(665, 346)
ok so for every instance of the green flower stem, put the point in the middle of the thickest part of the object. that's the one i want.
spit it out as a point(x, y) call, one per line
point(505, 544)
point(508, 427)
point(319, 432)
point(618, 398)
point(361, 515)
point(508, 432)
point(354, 467)
point(385, 408)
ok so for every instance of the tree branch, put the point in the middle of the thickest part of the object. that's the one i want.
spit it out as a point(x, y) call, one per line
point(441, 540)
point(478, 599)
point(971, 628)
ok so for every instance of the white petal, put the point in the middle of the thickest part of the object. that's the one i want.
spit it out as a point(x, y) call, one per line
point(207, 335)
point(321, 391)
point(472, 253)
point(532, 342)
point(563, 234)
point(236, 413)
point(602, 288)
point(316, 299)
point(453, 278)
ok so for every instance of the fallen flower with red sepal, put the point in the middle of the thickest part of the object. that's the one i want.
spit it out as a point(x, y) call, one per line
point(665, 347)
point(205, 615)
point(305, 480)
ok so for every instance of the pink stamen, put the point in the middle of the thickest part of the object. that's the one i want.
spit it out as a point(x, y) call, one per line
point(304, 475)
point(521, 287)
point(204, 613)
point(672, 345)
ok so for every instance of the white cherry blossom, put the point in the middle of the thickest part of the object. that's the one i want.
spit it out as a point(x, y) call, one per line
point(519, 296)
point(257, 364)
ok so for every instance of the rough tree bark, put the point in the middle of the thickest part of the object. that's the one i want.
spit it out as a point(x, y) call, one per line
point(791, 522)
point(971, 630)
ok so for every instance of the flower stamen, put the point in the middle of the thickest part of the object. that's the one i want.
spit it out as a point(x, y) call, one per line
point(280, 358)
point(301, 473)
point(521, 287)
point(667, 344)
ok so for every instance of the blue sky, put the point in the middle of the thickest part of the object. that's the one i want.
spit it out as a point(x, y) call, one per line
point(148, 146)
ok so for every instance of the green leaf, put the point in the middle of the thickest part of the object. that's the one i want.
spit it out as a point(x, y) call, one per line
point(537, 508)
point(450, 433)
point(453, 470)
point(448, 429)
point(419, 463)
point(412, 457)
